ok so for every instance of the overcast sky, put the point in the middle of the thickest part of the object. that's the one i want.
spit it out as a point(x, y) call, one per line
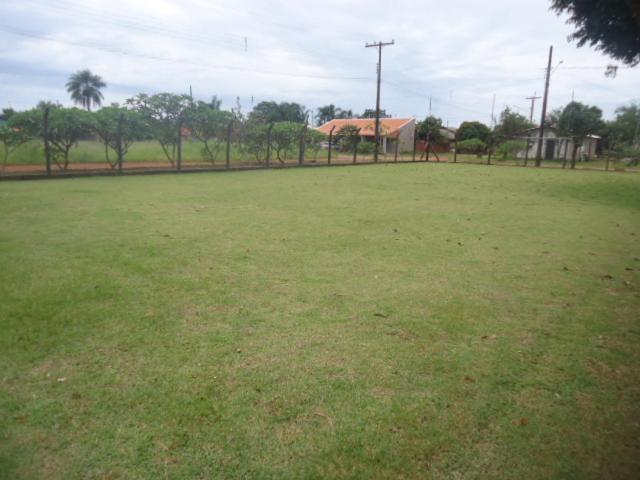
point(458, 52)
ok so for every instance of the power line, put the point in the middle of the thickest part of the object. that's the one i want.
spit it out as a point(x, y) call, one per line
point(105, 48)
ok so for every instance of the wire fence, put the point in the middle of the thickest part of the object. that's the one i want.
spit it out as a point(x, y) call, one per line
point(236, 148)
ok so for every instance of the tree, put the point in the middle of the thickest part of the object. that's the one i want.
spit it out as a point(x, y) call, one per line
point(577, 121)
point(67, 126)
point(114, 136)
point(431, 128)
point(19, 129)
point(551, 120)
point(326, 114)
point(313, 141)
point(84, 88)
point(215, 103)
point(255, 139)
point(272, 112)
point(209, 126)
point(283, 138)
point(6, 114)
point(469, 130)
point(612, 26)
point(164, 116)
point(471, 145)
point(348, 137)
point(625, 128)
point(371, 113)
point(511, 124)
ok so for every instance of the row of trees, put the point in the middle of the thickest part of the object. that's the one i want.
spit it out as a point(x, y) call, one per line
point(168, 119)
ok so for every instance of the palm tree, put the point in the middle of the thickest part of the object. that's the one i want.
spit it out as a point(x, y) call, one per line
point(84, 88)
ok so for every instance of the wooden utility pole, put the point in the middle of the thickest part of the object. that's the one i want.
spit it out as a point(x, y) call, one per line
point(379, 46)
point(544, 109)
point(45, 134)
point(533, 103)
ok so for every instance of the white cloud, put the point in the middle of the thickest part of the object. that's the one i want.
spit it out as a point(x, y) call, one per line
point(458, 52)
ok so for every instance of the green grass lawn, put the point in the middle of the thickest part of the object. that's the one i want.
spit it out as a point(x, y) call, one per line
point(393, 321)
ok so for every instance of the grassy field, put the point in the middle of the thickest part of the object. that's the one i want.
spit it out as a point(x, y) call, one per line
point(393, 321)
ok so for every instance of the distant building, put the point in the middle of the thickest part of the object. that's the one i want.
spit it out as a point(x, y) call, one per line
point(400, 131)
point(555, 147)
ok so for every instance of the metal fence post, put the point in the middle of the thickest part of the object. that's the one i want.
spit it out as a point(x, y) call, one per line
point(395, 154)
point(330, 144)
point(301, 149)
point(228, 156)
point(455, 149)
point(179, 162)
point(120, 148)
point(489, 153)
point(564, 158)
point(269, 145)
point(355, 145)
point(415, 145)
point(45, 134)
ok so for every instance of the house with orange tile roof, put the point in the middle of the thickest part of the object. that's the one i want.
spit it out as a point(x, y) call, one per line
point(393, 131)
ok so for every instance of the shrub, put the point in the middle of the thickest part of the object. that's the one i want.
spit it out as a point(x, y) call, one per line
point(510, 148)
point(473, 145)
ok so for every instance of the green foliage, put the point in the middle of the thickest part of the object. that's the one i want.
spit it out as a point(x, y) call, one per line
point(371, 113)
point(366, 148)
point(511, 124)
point(313, 141)
point(106, 126)
point(272, 112)
point(469, 130)
point(14, 134)
point(471, 145)
point(625, 127)
point(347, 137)
point(67, 126)
point(6, 114)
point(256, 140)
point(84, 88)
point(510, 148)
point(431, 128)
point(164, 115)
point(284, 138)
point(612, 26)
point(578, 120)
point(209, 126)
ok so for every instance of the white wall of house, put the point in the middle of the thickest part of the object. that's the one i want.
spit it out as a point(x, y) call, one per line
point(562, 146)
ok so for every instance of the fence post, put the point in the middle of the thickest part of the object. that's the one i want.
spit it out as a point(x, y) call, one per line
point(606, 168)
point(526, 152)
point(355, 145)
point(415, 145)
point(455, 148)
point(564, 158)
point(269, 145)
point(179, 162)
point(228, 156)
point(120, 149)
point(45, 134)
point(303, 134)
point(489, 153)
point(395, 153)
point(330, 144)
point(428, 146)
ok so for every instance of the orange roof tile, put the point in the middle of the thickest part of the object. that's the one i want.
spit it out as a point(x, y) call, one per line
point(388, 126)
